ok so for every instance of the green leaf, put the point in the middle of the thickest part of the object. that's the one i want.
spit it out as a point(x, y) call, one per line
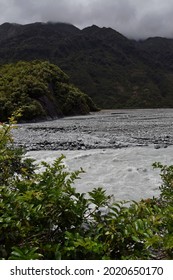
point(136, 239)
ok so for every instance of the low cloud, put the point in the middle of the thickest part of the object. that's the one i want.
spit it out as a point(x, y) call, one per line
point(133, 18)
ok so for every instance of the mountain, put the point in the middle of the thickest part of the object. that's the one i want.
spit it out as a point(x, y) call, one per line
point(114, 71)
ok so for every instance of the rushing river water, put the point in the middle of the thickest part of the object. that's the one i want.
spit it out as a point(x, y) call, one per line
point(116, 148)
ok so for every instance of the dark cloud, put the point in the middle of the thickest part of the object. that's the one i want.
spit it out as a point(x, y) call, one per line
point(133, 18)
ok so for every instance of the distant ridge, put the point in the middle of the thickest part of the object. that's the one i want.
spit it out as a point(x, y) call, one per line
point(115, 71)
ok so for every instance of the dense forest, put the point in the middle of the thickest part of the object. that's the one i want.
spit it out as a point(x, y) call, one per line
point(40, 90)
point(114, 71)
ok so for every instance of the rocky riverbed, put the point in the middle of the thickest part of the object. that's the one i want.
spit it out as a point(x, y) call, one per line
point(101, 130)
point(116, 148)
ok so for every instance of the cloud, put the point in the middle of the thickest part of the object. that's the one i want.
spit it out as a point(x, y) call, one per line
point(133, 18)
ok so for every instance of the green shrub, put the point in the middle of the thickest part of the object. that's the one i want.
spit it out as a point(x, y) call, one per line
point(42, 216)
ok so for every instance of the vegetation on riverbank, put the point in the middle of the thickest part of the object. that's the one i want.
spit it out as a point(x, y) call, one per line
point(41, 90)
point(43, 217)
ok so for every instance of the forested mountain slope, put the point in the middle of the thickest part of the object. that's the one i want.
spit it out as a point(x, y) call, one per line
point(41, 91)
point(115, 71)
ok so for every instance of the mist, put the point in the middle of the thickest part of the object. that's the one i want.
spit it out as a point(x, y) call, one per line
point(133, 18)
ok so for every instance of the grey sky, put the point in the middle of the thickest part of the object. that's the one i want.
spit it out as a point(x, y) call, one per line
point(133, 18)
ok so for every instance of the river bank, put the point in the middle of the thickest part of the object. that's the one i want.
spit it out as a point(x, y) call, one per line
point(100, 130)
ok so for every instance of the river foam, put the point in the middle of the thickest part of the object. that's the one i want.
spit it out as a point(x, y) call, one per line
point(126, 173)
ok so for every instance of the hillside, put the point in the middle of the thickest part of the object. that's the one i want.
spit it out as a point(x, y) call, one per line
point(115, 71)
point(41, 90)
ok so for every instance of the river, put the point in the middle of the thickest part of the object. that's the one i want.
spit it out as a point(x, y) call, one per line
point(116, 148)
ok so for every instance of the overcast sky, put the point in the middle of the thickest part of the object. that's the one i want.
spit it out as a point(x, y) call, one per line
point(133, 18)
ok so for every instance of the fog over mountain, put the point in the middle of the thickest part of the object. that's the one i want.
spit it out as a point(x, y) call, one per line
point(133, 18)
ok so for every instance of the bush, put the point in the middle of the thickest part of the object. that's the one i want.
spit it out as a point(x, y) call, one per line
point(42, 216)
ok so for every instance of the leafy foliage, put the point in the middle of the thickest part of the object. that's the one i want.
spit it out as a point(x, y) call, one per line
point(39, 89)
point(42, 216)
